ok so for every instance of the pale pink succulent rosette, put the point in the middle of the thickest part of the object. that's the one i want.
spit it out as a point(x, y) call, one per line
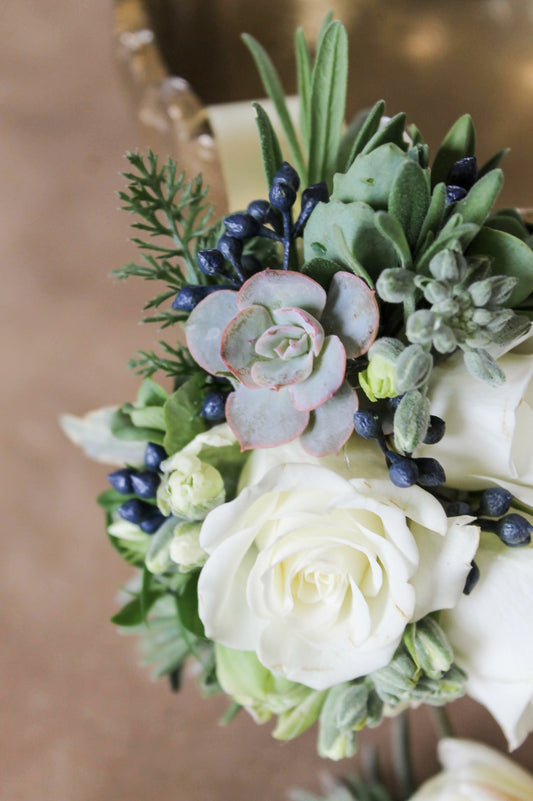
point(286, 342)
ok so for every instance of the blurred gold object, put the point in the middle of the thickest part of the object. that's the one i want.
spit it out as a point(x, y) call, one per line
point(434, 59)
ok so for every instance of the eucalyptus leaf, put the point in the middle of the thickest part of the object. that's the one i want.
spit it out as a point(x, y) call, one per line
point(268, 140)
point(182, 414)
point(475, 207)
point(304, 73)
point(187, 603)
point(328, 100)
point(410, 199)
point(370, 177)
point(393, 132)
point(510, 256)
point(391, 228)
point(359, 133)
point(274, 89)
point(459, 142)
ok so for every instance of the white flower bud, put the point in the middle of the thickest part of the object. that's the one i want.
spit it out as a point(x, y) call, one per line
point(190, 488)
point(185, 548)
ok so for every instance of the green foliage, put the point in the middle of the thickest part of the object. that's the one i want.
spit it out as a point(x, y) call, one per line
point(143, 420)
point(182, 414)
point(268, 140)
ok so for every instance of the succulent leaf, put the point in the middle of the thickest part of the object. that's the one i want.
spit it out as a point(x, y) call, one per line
point(205, 326)
point(332, 423)
point(324, 381)
point(277, 289)
point(351, 313)
point(264, 418)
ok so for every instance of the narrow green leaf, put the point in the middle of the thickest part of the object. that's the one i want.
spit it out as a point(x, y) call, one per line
point(359, 134)
point(134, 613)
point(392, 132)
point(510, 256)
point(151, 394)
point(409, 200)
point(459, 142)
point(391, 228)
point(182, 414)
point(187, 603)
point(304, 73)
point(492, 163)
point(144, 595)
point(433, 218)
point(326, 22)
point(328, 101)
point(273, 88)
point(270, 147)
point(476, 206)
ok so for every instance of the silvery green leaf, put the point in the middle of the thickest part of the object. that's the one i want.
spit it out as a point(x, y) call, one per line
point(370, 177)
point(333, 742)
point(270, 147)
point(392, 229)
point(374, 710)
point(420, 326)
point(459, 142)
point(482, 366)
point(448, 266)
point(476, 206)
point(303, 68)
point(501, 288)
point(396, 680)
point(433, 219)
point(392, 132)
point(411, 421)
point(395, 284)
point(409, 199)
point(352, 706)
point(413, 368)
point(360, 131)
point(386, 348)
point(511, 257)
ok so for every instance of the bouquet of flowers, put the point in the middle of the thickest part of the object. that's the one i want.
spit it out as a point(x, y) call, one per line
point(329, 506)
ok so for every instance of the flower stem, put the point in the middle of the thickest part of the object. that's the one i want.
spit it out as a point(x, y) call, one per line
point(441, 722)
point(401, 756)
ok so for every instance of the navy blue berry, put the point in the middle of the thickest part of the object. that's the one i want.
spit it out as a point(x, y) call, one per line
point(430, 472)
point(472, 579)
point(145, 483)
point(152, 521)
point(154, 455)
point(367, 424)
point(514, 530)
point(435, 431)
point(403, 472)
point(134, 511)
point(495, 502)
point(120, 480)
point(213, 408)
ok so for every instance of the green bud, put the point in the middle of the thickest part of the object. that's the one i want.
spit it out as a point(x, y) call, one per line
point(185, 548)
point(501, 288)
point(481, 316)
point(448, 266)
point(444, 340)
point(413, 368)
point(436, 292)
point(411, 420)
point(190, 488)
point(514, 327)
point(420, 327)
point(352, 706)
point(395, 682)
point(379, 378)
point(394, 285)
point(158, 558)
point(499, 319)
point(446, 308)
point(298, 719)
point(480, 292)
point(335, 742)
point(478, 339)
point(438, 692)
point(481, 365)
point(429, 647)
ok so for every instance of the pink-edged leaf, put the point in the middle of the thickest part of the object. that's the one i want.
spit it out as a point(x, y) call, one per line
point(282, 372)
point(351, 313)
point(277, 289)
point(238, 341)
point(205, 326)
point(326, 378)
point(299, 317)
point(263, 418)
point(331, 425)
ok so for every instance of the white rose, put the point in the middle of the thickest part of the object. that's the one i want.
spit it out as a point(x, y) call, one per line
point(319, 575)
point(488, 429)
point(491, 632)
point(474, 772)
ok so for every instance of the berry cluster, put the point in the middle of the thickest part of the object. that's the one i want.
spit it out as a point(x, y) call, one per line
point(143, 484)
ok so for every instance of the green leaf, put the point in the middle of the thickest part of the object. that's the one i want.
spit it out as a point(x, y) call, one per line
point(481, 365)
point(151, 394)
point(304, 72)
point(476, 206)
point(110, 499)
point(433, 218)
point(454, 234)
point(370, 178)
point(122, 427)
point(459, 142)
point(409, 200)
point(492, 163)
point(270, 147)
point(182, 414)
point(391, 133)
point(328, 100)
point(148, 418)
point(358, 134)
point(510, 256)
point(187, 603)
point(357, 222)
point(390, 227)
point(326, 22)
point(411, 421)
point(134, 613)
point(273, 88)
point(321, 271)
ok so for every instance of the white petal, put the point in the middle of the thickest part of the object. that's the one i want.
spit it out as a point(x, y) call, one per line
point(205, 326)
point(351, 313)
point(93, 433)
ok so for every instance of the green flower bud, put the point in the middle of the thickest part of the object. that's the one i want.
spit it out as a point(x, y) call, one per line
point(413, 368)
point(336, 741)
point(158, 558)
point(303, 715)
point(395, 682)
point(420, 327)
point(448, 266)
point(185, 549)
point(190, 488)
point(501, 288)
point(480, 292)
point(379, 378)
point(394, 285)
point(481, 316)
point(429, 647)
point(436, 292)
point(444, 340)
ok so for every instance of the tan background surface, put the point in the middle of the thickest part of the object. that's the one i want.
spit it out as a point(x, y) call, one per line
point(81, 722)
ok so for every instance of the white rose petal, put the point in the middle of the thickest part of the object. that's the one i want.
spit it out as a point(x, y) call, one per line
point(474, 772)
point(319, 573)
